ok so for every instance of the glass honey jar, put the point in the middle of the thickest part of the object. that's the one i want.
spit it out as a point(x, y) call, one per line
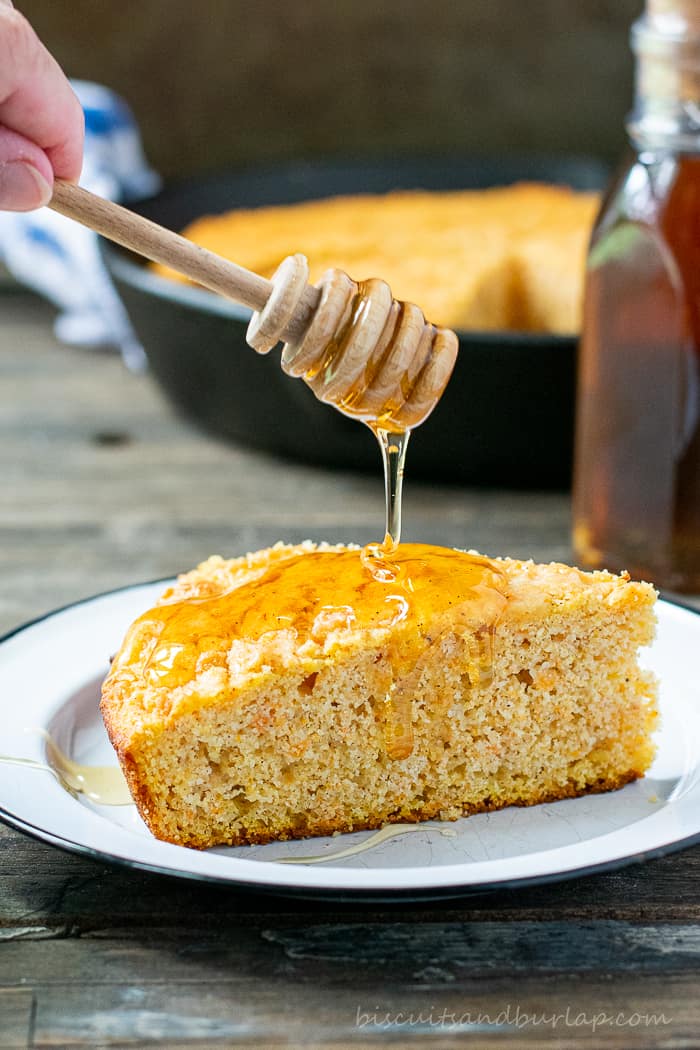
point(637, 463)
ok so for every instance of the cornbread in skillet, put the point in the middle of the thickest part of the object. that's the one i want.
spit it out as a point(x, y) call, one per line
point(297, 691)
point(510, 258)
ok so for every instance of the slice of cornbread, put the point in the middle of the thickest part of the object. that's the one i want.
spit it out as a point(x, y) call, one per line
point(303, 690)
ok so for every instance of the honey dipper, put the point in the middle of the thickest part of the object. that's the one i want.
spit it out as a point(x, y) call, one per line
point(358, 348)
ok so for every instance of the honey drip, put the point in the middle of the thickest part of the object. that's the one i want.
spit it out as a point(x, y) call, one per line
point(393, 446)
point(104, 785)
point(377, 557)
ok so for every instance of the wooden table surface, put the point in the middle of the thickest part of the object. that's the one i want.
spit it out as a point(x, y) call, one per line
point(102, 486)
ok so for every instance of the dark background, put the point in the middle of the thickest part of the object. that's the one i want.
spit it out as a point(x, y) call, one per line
point(223, 83)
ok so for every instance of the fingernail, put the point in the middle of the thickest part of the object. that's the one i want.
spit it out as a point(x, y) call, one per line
point(22, 187)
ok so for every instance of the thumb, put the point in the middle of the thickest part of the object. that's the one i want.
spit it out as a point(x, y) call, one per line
point(26, 175)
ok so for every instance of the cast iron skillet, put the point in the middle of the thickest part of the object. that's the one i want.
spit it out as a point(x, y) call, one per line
point(506, 416)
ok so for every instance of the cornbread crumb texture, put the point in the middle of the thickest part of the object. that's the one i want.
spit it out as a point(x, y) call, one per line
point(507, 258)
point(276, 743)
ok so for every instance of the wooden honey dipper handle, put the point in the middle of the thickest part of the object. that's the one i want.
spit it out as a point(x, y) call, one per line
point(147, 238)
point(355, 346)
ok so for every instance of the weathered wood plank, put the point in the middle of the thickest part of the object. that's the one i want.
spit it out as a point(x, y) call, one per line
point(641, 1013)
point(16, 1016)
point(400, 954)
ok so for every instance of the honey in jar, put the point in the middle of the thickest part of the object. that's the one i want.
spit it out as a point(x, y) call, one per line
point(637, 468)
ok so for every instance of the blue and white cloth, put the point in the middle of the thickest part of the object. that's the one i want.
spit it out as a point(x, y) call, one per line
point(61, 259)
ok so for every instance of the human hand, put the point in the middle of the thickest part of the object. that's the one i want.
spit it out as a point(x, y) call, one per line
point(41, 121)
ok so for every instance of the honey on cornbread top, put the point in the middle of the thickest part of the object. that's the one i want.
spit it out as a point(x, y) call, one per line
point(305, 604)
point(297, 607)
point(315, 599)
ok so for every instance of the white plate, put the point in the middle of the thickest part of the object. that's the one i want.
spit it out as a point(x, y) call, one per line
point(50, 674)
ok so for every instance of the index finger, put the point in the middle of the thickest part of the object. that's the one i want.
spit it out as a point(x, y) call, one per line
point(36, 99)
